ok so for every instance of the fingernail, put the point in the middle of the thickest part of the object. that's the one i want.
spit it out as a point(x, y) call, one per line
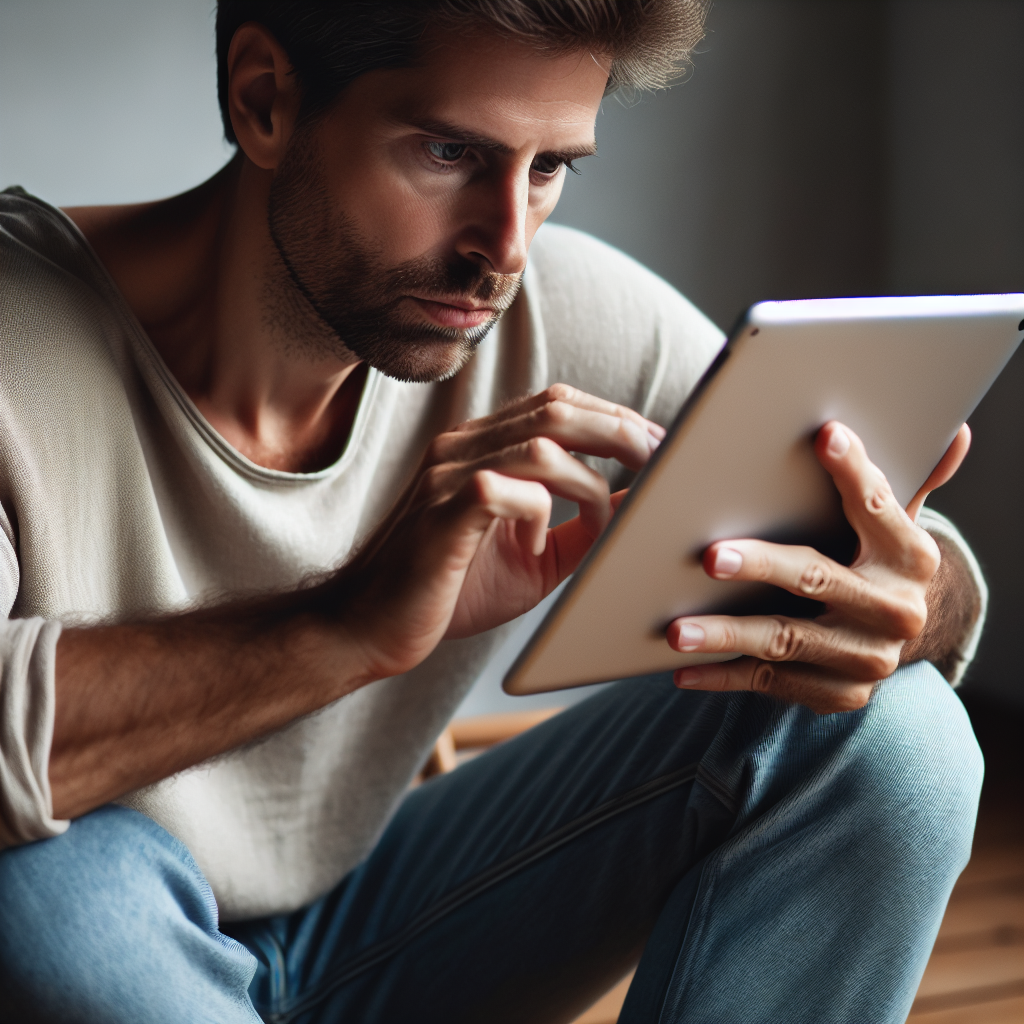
point(687, 677)
point(728, 562)
point(691, 636)
point(838, 443)
point(656, 429)
point(652, 440)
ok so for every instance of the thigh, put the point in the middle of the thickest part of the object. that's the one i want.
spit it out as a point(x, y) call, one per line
point(521, 885)
point(112, 921)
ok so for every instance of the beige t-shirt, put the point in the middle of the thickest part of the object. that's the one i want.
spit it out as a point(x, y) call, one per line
point(117, 496)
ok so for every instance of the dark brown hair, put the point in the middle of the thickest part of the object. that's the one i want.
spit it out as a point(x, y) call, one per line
point(332, 42)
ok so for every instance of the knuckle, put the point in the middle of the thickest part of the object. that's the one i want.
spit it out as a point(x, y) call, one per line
point(838, 700)
point(481, 486)
point(876, 500)
point(923, 556)
point(433, 480)
point(784, 642)
point(815, 579)
point(541, 451)
point(764, 678)
point(854, 697)
point(762, 566)
point(728, 641)
point(439, 449)
point(911, 617)
point(879, 664)
point(559, 393)
point(555, 413)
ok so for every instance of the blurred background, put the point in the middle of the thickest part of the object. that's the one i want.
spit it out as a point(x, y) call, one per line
point(817, 147)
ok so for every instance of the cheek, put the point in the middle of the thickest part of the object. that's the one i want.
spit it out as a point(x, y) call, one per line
point(382, 205)
point(542, 207)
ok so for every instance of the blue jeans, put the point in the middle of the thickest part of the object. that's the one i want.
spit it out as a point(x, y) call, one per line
point(761, 864)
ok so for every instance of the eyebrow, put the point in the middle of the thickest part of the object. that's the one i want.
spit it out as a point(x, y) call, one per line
point(447, 130)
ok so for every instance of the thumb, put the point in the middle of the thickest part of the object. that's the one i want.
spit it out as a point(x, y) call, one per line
point(944, 471)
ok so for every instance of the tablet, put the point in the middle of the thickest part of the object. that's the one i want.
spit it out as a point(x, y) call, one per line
point(738, 461)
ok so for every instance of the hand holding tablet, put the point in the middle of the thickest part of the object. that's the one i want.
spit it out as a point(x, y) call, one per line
point(831, 662)
point(742, 461)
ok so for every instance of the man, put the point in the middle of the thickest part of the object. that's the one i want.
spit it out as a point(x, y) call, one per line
point(323, 357)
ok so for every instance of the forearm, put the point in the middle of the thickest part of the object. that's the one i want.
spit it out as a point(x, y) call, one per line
point(137, 702)
point(954, 605)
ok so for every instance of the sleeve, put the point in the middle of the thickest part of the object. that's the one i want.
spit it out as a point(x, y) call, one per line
point(27, 655)
point(939, 526)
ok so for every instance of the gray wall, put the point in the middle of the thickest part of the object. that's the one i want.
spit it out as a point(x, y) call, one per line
point(820, 147)
point(108, 101)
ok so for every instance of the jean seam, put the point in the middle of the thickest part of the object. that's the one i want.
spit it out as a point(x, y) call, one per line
point(717, 789)
point(277, 974)
point(462, 894)
point(706, 881)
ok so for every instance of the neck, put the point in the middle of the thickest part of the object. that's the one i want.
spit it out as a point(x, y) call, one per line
point(204, 279)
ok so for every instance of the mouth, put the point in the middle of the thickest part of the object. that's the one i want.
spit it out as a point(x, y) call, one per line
point(458, 313)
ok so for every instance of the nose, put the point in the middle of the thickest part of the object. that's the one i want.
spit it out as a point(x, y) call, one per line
point(494, 230)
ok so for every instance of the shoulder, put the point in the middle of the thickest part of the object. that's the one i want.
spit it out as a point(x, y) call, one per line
point(59, 332)
point(613, 326)
point(49, 279)
point(33, 233)
point(579, 269)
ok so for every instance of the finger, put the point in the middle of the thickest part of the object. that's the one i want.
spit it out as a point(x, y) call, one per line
point(542, 460)
point(856, 656)
point(897, 608)
point(885, 530)
point(571, 396)
point(796, 684)
point(578, 430)
point(594, 427)
point(944, 471)
point(571, 541)
point(488, 495)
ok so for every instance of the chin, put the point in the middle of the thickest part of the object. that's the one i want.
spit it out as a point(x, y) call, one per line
point(420, 356)
point(423, 362)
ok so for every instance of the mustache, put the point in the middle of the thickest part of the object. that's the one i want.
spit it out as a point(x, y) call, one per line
point(463, 278)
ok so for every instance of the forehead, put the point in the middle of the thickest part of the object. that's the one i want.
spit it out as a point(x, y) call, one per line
point(498, 87)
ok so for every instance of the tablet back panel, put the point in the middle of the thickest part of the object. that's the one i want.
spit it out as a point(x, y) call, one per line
point(904, 373)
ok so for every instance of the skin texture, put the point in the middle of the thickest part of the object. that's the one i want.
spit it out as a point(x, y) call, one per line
point(453, 163)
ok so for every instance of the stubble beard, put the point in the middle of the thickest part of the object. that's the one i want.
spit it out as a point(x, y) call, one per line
point(331, 293)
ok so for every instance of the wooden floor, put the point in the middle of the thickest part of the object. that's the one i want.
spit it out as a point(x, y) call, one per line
point(976, 971)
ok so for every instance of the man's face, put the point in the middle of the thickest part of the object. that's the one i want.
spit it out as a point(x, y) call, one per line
point(405, 213)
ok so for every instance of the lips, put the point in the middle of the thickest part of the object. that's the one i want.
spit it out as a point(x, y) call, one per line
point(446, 314)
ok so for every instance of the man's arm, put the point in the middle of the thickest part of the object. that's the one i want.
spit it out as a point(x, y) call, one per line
point(954, 607)
point(137, 702)
point(466, 547)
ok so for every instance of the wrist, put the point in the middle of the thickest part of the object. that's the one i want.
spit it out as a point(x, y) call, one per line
point(954, 606)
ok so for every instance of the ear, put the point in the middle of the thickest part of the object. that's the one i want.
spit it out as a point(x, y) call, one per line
point(263, 95)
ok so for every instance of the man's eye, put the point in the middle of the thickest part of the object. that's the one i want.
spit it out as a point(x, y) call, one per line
point(449, 152)
point(550, 164)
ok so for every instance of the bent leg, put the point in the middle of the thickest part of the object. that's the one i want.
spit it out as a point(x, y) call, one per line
point(113, 922)
point(824, 903)
point(518, 887)
point(793, 869)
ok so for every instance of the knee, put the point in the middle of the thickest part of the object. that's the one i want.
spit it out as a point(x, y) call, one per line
point(916, 768)
point(92, 920)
